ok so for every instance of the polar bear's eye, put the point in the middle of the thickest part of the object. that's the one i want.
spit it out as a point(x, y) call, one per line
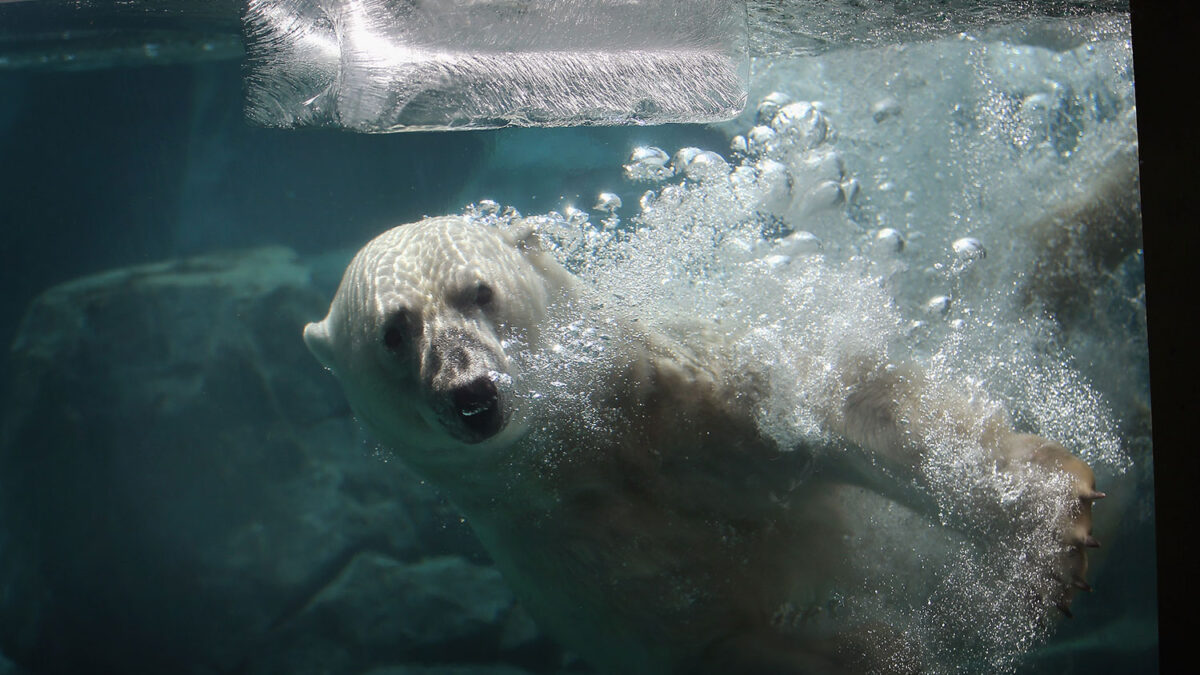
point(483, 295)
point(397, 330)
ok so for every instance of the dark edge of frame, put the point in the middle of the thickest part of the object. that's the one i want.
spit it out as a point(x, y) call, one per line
point(1164, 57)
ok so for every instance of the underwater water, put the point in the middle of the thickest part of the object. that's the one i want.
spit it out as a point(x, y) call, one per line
point(185, 489)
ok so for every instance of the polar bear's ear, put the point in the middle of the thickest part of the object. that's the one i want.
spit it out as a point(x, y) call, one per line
point(524, 235)
point(320, 342)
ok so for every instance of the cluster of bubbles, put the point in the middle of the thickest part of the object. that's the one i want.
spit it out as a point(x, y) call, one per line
point(783, 164)
point(714, 241)
point(1046, 110)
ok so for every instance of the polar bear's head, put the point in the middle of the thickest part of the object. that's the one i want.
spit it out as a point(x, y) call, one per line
point(421, 328)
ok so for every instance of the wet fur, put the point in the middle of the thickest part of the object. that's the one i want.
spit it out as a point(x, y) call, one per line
point(682, 540)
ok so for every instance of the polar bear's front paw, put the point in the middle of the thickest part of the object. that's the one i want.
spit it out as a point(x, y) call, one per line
point(1074, 520)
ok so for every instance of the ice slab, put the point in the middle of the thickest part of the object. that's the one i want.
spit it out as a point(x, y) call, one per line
point(92, 34)
point(400, 65)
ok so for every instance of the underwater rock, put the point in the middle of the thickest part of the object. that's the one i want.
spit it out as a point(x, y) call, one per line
point(448, 670)
point(9, 668)
point(183, 490)
point(450, 607)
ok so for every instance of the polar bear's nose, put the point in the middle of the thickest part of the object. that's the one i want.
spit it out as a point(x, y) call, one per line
point(477, 405)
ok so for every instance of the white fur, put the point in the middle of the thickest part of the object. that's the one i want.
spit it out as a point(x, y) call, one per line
point(653, 527)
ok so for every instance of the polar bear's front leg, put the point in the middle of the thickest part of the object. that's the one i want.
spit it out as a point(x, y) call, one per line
point(924, 444)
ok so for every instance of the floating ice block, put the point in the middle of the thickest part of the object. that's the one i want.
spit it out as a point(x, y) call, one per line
point(401, 65)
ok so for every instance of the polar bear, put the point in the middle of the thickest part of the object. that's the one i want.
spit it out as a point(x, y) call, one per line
point(675, 536)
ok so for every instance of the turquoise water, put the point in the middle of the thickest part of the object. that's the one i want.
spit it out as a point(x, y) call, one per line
point(186, 490)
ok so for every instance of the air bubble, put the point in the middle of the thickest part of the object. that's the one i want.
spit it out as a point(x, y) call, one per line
point(483, 211)
point(648, 154)
point(575, 217)
point(648, 163)
point(774, 187)
point(888, 241)
point(607, 202)
point(1039, 102)
point(885, 108)
point(827, 165)
point(851, 189)
point(799, 243)
point(705, 166)
point(777, 260)
point(968, 250)
point(770, 104)
point(743, 177)
point(801, 122)
point(739, 146)
point(683, 157)
point(827, 194)
point(672, 195)
point(761, 139)
point(770, 170)
point(939, 305)
point(792, 115)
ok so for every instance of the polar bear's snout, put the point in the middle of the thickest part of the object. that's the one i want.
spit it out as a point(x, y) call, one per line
point(461, 371)
point(477, 405)
point(455, 355)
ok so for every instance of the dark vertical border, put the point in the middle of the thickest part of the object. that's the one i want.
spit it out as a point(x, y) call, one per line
point(1166, 47)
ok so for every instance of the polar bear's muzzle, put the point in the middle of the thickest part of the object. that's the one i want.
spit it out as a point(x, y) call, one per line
point(477, 407)
point(461, 370)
